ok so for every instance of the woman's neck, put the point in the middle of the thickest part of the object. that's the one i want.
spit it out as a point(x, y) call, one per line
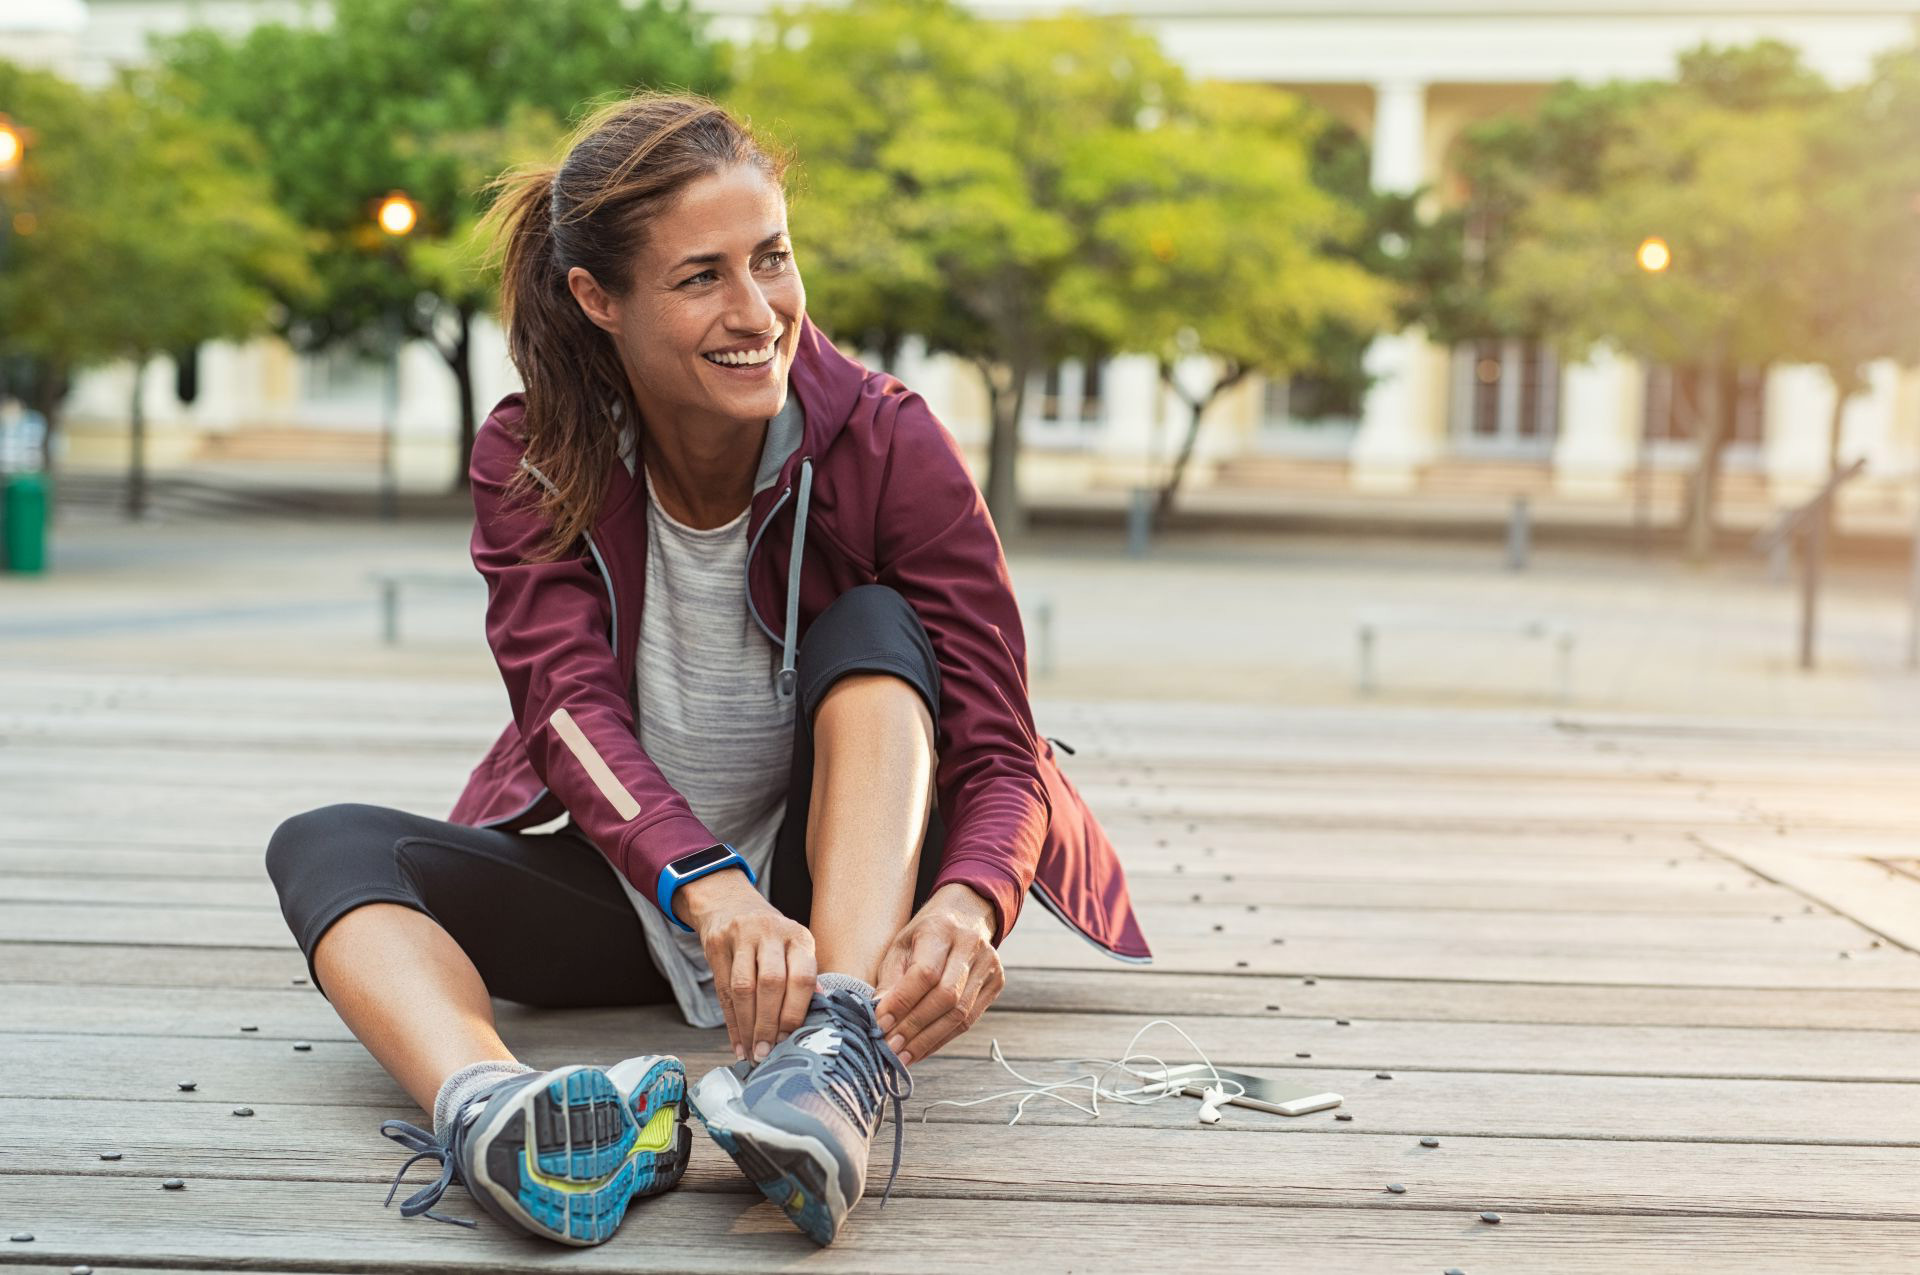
point(703, 477)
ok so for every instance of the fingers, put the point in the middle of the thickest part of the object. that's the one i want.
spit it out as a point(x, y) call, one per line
point(985, 981)
point(801, 975)
point(770, 988)
point(743, 987)
point(919, 974)
point(934, 1020)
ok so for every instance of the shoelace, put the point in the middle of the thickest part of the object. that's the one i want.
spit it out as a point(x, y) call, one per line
point(881, 1074)
point(425, 1146)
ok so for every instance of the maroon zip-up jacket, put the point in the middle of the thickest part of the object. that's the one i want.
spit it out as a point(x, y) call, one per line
point(883, 497)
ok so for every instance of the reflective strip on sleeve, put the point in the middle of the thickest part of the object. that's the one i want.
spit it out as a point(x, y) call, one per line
point(595, 765)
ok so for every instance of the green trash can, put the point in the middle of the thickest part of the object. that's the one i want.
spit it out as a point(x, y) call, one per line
point(23, 522)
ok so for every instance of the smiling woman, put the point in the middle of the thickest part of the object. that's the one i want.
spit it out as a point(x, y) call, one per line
point(762, 651)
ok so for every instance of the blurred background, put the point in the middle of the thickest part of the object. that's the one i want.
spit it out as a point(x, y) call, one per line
point(1511, 352)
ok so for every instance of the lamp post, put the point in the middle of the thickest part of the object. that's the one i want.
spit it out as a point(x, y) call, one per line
point(1652, 256)
point(396, 215)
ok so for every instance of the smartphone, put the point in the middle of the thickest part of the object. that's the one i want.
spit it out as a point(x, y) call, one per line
point(1262, 1093)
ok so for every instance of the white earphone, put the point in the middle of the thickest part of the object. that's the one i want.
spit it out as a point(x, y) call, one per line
point(1211, 1100)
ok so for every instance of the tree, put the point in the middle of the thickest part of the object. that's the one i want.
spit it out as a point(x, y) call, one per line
point(1715, 166)
point(1856, 268)
point(1211, 239)
point(431, 99)
point(151, 232)
point(986, 185)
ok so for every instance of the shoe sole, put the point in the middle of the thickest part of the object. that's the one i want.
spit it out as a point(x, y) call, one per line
point(563, 1159)
point(799, 1174)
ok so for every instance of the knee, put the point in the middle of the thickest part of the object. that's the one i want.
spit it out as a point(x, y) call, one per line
point(298, 839)
point(868, 629)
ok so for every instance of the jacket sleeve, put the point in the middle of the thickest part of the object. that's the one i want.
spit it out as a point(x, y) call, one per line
point(550, 625)
point(935, 545)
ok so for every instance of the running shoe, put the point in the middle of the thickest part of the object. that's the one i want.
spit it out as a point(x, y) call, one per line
point(557, 1154)
point(800, 1123)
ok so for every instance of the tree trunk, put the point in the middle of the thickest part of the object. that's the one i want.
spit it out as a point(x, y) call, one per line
point(1842, 395)
point(461, 361)
point(1196, 408)
point(1716, 408)
point(1164, 505)
point(1005, 403)
point(137, 453)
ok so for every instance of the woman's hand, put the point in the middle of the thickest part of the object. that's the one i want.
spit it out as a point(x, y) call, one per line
point(940, 973)
point(763, 968)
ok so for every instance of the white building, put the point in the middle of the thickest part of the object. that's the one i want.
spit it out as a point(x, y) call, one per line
point(1408, 74)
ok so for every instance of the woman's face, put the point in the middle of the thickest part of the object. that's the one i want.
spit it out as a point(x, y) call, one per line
point(708, 329)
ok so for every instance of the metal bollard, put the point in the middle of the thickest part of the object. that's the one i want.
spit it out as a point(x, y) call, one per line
point(1043, 647)
point(390, 611)
point(1139, 521)
point(1519, 535)
point(1365, 683)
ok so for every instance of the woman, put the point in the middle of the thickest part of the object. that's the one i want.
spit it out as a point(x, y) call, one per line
point(826, 787)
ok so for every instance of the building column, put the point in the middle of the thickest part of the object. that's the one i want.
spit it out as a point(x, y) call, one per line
point(1396, 434)
point(1600, 422)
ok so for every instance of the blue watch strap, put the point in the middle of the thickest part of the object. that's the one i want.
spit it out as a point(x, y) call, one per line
point(700, 863)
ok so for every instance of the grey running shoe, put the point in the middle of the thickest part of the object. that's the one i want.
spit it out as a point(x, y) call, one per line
point(557, 1154)
point(800, 1123)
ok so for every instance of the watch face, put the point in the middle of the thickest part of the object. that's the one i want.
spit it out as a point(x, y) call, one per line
point(701, 859)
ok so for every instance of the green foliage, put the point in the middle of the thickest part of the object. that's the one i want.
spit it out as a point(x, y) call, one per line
point(1021, 192)
point(429, 98)
point(138, 228)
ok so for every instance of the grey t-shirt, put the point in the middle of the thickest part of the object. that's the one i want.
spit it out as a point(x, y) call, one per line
point(710, 719)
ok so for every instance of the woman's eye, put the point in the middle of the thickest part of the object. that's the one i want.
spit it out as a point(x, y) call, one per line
point(777, 259)
point(704, 274)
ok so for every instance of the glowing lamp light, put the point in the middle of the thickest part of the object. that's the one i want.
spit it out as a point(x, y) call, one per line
point(398, 215)
point(1654, 255)
point(13, 147)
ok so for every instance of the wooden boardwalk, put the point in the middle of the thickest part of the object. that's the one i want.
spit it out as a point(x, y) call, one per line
point(1652, 984)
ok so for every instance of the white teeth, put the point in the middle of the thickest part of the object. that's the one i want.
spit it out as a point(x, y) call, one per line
point(747, 358)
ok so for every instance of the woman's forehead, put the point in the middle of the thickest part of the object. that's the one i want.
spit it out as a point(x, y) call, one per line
point(730, 211)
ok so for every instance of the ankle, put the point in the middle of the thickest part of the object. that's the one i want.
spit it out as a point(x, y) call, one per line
point(457, 1088)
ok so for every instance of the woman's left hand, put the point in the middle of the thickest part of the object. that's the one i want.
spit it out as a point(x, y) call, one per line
point(939, 974)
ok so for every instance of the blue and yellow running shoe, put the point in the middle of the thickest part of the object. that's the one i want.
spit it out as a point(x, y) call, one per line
point(559, 1154)
point(800, 1123)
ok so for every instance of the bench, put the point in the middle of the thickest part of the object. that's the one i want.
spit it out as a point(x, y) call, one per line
point(1532, 627)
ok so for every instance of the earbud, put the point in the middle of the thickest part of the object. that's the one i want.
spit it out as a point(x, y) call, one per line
point(1210, 1103)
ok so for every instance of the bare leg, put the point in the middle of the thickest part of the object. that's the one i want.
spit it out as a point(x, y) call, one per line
point(872, 791)
point(408, 992)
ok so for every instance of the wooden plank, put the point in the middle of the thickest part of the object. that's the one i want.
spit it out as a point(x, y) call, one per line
point(238, 878)
point(224, 1221)
point(1042, 943)
point(1880, 898)
point(1733, 935)
point(1549, 961)
point(1417, 1102)
point(1266, 1041)
point(1123, 991)
point(1087, 1162)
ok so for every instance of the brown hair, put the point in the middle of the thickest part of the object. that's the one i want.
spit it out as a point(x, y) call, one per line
point(626, 163)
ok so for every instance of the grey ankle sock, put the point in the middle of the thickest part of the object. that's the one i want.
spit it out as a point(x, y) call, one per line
point(846, 982)
point(466, 1082)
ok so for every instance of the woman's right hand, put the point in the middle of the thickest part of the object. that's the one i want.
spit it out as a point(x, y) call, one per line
point(763, 967)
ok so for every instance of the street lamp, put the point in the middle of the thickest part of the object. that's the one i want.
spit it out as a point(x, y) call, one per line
point(396, 215)
point(13, 146)
point(1653, 256)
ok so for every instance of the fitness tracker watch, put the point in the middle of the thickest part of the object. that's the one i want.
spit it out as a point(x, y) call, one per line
point(691, 867)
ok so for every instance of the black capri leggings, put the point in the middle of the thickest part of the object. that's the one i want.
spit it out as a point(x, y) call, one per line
point(542, 915)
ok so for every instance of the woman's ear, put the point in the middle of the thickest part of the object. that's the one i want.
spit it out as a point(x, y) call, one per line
point(593, 300)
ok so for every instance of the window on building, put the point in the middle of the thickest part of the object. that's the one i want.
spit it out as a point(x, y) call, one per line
point(1506, 396)
point(1068, 393)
